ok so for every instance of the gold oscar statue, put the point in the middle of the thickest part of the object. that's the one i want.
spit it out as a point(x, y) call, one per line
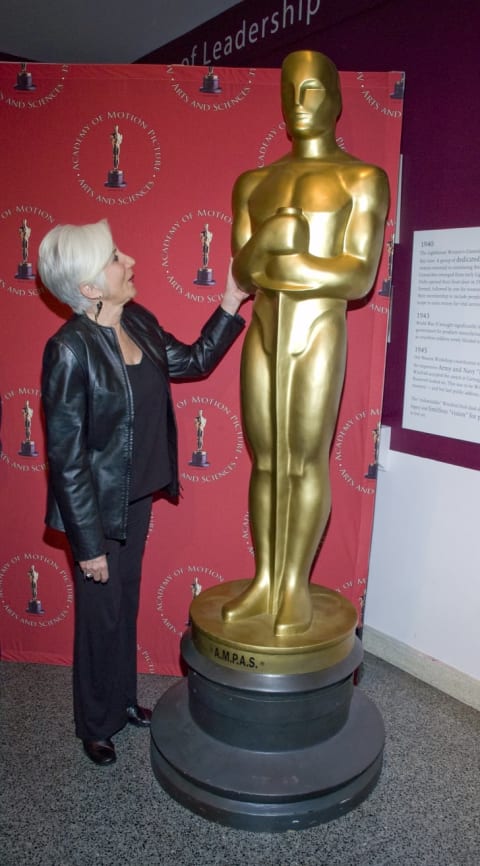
point(307, 238)
point(270, 699)
point(115, 176)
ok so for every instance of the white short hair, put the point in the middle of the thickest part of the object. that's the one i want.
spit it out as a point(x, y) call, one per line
point(70, 256)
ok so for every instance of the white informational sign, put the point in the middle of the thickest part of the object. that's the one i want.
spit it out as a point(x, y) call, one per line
point(442, 383)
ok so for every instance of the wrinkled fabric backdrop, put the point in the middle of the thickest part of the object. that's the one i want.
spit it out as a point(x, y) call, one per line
point(181, 152)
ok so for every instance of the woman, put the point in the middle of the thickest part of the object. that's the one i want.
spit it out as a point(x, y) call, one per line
point(111, 444)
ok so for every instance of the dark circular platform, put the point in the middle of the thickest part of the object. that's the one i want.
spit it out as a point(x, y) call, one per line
point(266, 753)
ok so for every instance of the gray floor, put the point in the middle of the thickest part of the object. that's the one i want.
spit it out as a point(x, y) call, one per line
point(58, 809)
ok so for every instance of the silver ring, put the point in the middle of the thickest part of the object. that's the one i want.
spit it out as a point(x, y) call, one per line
point(88, 575)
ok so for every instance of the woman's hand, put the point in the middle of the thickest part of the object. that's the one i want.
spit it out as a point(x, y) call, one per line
point(95, 569)
point(233, 295)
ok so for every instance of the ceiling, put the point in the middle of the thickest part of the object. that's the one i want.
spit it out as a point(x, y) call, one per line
point(98, 31)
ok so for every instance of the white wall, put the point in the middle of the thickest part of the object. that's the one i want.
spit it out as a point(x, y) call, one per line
point(423, 599)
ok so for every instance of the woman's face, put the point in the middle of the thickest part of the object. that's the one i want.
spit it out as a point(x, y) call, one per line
point(119, 277)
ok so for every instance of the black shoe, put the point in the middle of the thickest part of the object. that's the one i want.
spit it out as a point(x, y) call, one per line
point(139, 716)
point(100, 751)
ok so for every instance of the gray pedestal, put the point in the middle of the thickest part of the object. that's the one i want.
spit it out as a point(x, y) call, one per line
point(266, 752)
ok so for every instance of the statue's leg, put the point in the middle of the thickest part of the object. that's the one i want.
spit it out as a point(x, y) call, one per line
point(307, 406)
point(256, 386)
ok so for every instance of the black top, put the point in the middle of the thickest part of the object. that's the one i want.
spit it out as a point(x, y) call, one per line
point(88, 408)
point(150, 462)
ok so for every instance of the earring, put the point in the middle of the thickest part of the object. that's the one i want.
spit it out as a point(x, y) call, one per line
point(99, 309)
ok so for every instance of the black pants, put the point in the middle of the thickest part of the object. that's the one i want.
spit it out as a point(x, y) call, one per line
point(105, 643)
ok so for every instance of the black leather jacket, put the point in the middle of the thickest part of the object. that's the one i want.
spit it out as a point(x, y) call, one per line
point(88, 409)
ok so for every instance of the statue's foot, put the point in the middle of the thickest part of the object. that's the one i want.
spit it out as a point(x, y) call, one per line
point(253, 601)
point(295, 613)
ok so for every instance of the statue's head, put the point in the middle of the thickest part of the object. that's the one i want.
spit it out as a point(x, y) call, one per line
point(311, 96)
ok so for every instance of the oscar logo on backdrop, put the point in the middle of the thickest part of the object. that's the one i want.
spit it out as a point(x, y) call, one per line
point(399, 88)
point(25, 269)
point(24, 79)
point(211, 83)
point(205, 274)
point(27, 447)
point(199, 456)
point(196, 589)
point(287, 740)
point(34, 605)
point(372, 471)
point(386, 289)
point(116, 178)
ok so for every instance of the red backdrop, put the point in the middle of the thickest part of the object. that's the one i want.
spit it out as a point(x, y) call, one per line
point(181, 152)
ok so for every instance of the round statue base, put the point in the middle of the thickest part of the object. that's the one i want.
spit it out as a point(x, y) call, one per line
point(211, 84)
point(252, 643)
point(25, 271)
point(35, 606)
point(266, 752)
point(199, 458)
point(205, 277)
point(27, 449)
point(116, 179)
point(24, 81)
